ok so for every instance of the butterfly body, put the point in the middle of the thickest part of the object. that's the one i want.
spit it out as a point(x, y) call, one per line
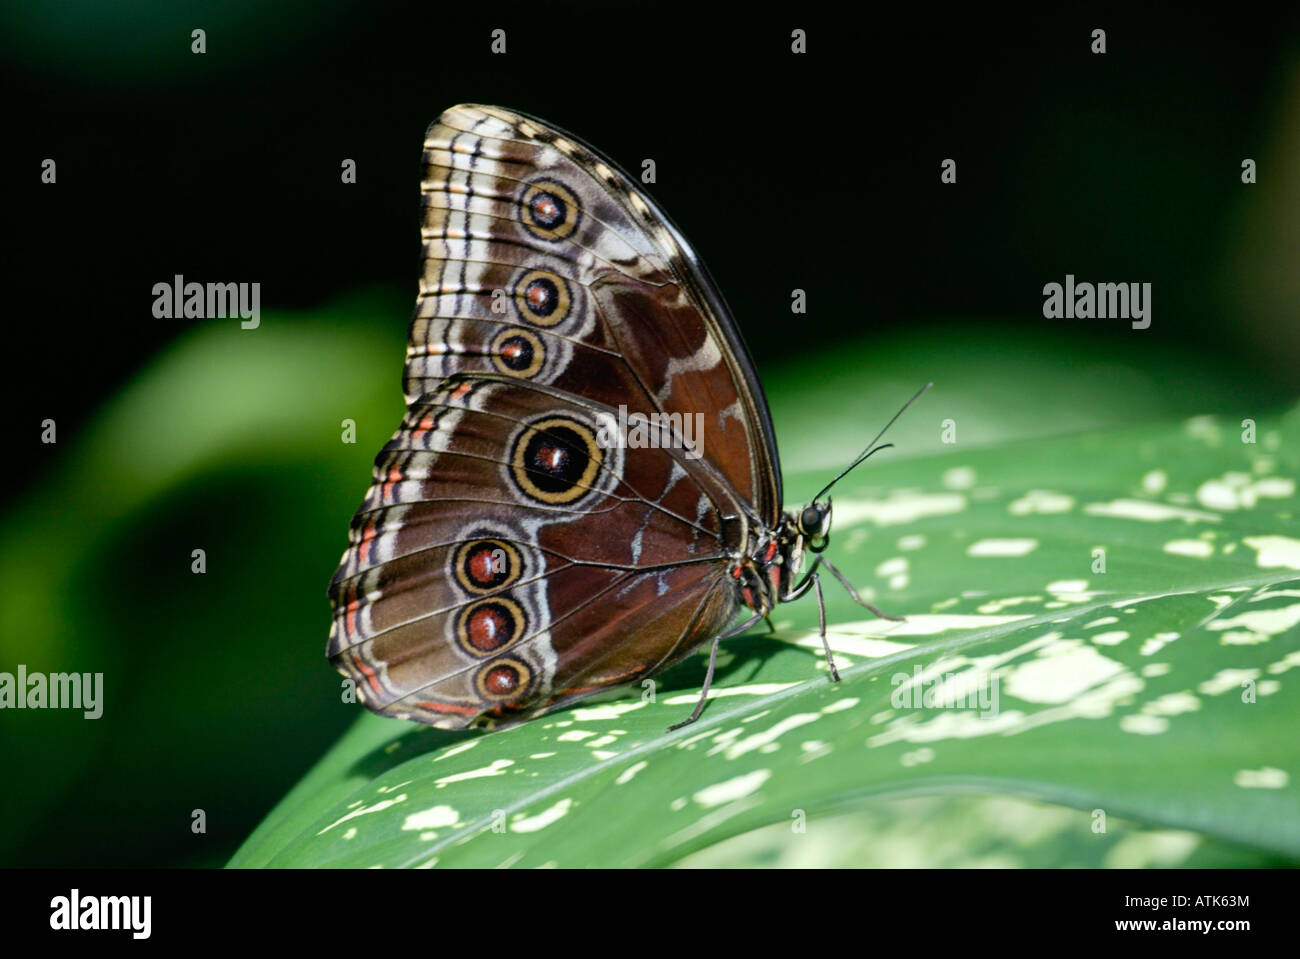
point(520, 546)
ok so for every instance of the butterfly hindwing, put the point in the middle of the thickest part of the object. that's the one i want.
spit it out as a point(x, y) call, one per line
point(511, 554)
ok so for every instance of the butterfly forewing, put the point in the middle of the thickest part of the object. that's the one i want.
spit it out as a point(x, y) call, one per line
point(544, 261)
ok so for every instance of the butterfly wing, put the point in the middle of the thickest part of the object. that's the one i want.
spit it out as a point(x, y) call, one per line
point(543, 261)
point(511, 555)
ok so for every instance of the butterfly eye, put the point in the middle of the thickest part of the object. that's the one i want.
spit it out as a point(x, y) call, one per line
point(518, 352)
point(555, 460)
point(486, 565)
point(810, 520)
point(543, 298)
point(489, 625)
point(549, 210)
point(502, 679)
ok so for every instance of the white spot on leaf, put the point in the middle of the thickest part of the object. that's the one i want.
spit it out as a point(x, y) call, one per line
point(732, 789)
point(901, 507)
point(1266, 778)
point(1275, 551)
point(498, 768)
point(1041, 501)
point(1197, 548)
point(542, 819)
point(1154, 483)
point(436, 817)
point(1002, 547)
point(626, 775)
point(364, 811)
point(1146, 511)
point(959, 477)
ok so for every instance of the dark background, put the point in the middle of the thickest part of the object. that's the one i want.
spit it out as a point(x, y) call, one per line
point(819, 172)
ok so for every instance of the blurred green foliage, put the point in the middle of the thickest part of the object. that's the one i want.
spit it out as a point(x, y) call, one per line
point(216, 689)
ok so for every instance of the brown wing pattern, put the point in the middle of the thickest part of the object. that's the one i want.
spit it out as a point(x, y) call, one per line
point(543, 261)
point(509, 557)
point(514, 552)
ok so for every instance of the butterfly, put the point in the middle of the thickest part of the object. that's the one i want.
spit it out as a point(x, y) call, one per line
point(541, 527)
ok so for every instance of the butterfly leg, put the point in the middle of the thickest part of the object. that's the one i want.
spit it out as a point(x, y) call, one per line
point(770, 627)
point(708, 676)
point(854, 593)
point(805, 584)
point(812, 581)
point(821, 623)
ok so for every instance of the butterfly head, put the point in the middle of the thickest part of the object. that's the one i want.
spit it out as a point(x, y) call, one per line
point(814, 524)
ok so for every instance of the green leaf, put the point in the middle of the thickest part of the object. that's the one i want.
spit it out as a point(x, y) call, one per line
point(964, 831)
point(1156, 692)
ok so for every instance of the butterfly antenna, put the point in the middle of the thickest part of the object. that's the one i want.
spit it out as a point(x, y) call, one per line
point(872, 447)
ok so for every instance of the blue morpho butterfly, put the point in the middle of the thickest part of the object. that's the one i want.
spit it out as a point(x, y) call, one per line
point(510, 557)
